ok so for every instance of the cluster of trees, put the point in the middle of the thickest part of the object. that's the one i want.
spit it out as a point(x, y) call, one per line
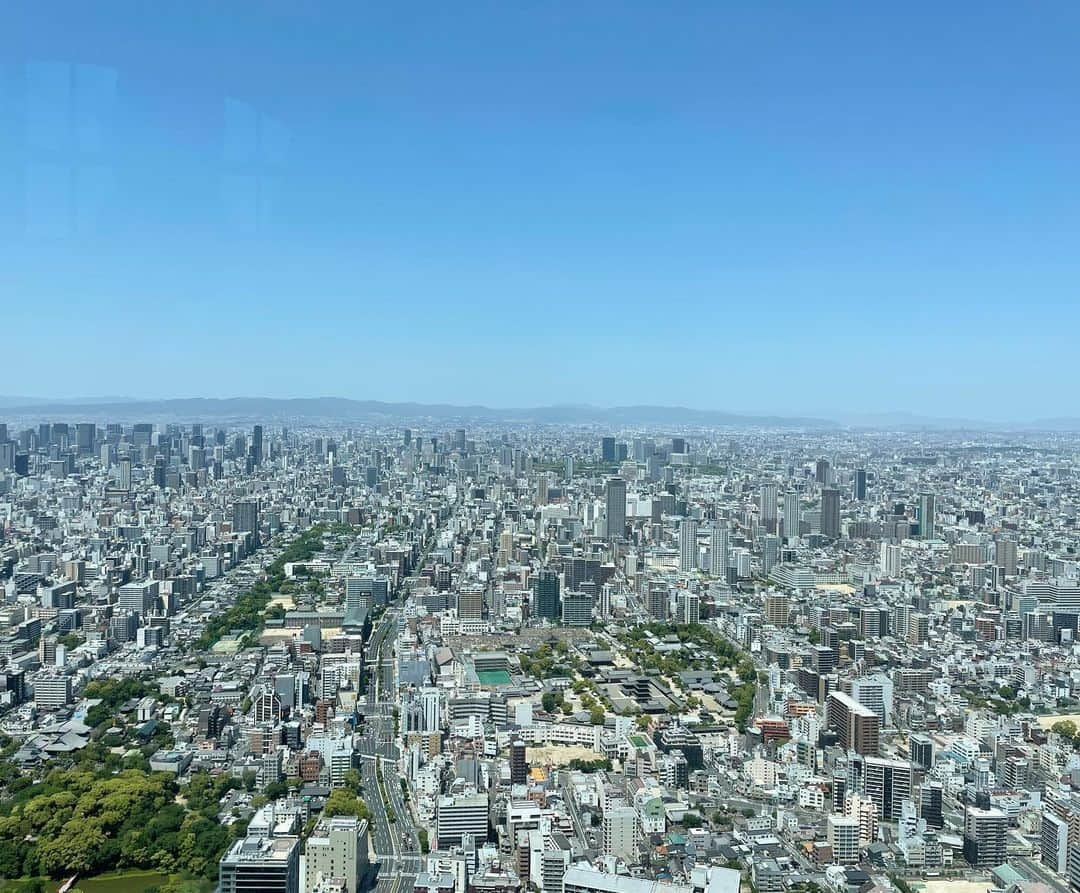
point(343, 801)
point(589, 766)
point(548, 661)
point(113, 694)
point(246, 612)
point(91, 822)
point(1067, 731)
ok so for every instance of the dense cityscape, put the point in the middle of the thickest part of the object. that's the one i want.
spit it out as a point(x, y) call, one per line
point(480, 657)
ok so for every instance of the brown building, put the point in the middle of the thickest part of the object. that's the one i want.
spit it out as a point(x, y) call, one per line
point(857, 726)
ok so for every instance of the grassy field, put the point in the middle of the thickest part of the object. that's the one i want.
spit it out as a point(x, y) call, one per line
point(118, 882)
point(124, 882)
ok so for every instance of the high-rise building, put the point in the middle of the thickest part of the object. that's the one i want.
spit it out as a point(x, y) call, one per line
point(922, 750)
point(689, 607)
point(616, 508)
point(892, 560)
point(620, 831)
point(266, 864)
point(51, 692)
point(767, 506)
point(858, 727)
point(688, 545)
point(1005, 556)
point(431, 709)
point(1054, 842)
point(777, 608)
point(123, 473)
point(718, 549)
point(792, 514)
point(931, 800)
point(843, 837)
point(830, 513)
point(458, 815)
point(85, 433)
point(470, 602)
point(770, 553)
point(257, 444)
point(984, 837)
point(519, 766)
point(577, 608)
point(545, 600)
point(888, 783)
point(657, 600)
point(139, 598)
point(245, 517)
point(607, 449)
point(860, 485)
point(927, 511)
point(337, 848)
point(823, 472)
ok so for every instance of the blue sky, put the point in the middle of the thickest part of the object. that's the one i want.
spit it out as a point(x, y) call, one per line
point(798, 207)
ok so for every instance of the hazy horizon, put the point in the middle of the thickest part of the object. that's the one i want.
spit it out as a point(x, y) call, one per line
point(10, 402)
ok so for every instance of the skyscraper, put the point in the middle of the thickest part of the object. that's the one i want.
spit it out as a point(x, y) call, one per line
point(718, 549)
point(830, 513)
point(770, 553)
point(767, 506)
point(860, 485)
point(545, 602)
point(792, 514)
point(688, 547)
point(123, 473)
point(616, 508)
point(927, 510)
point(607, 449)
point(257, 444)
point(245, 517)
point(822, 471)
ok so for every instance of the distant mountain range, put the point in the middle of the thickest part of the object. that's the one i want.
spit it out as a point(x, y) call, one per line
point(334, 408)
point(323, 409)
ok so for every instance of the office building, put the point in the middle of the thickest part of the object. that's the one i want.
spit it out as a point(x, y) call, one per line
point(688, 545)
point(337, 848)
point(245, 517)
point(927, 512)
point(842, 835)
point(718, 550)
point(857, 727)
point(859, 488)
point(616, 508)
point(1054, 842)
point(984, 837)
point(52, 692)
point(792, 514)
point(830, 513)
point(620, 832)
point(261, 865)
point(458, 815)
point(545, 596)
point(767, 506)
point(888, 783)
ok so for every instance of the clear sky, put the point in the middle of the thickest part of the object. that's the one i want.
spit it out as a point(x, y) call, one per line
point(796, 207)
